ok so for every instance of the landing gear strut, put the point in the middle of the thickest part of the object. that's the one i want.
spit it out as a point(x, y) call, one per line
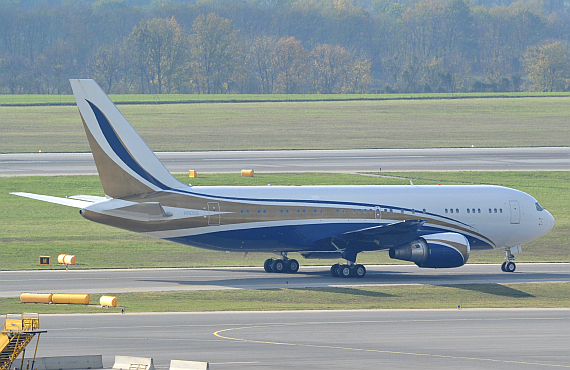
point(509, 265)
point(348, 270)
point(281, 265)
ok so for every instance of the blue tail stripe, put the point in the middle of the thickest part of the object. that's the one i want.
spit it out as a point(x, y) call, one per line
point(120, 150)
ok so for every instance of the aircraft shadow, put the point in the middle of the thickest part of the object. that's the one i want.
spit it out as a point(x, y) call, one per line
point(492, 288)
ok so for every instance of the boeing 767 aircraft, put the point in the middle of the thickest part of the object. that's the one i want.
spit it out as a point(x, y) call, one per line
point(432, 226)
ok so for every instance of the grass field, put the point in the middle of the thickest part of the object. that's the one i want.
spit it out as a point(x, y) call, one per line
point(32, 228)
point(498, 122)
point(536, 295)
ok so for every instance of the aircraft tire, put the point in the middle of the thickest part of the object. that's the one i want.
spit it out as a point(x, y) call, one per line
point(334, 270)
point(292, 266)
point(267, 265)
point(510, 267)
point(345, 271)
point(359, 271)
point(278, 266)
point(503, 266)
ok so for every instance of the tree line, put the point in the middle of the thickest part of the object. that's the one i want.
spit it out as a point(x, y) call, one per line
point(285, 46)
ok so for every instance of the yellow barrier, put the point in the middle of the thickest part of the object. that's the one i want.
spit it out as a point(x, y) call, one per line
point(108, 301)
point(66, 259)
point(36, 297)
point(247, 173)
point(192, 173)
point(71, 298)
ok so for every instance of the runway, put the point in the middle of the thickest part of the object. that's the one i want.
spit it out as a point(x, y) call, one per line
point(357, 160)
point(12, 283)
point(371, 339)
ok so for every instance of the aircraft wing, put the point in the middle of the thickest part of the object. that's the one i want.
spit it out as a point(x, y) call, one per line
point(77, 201)
point(384, 236)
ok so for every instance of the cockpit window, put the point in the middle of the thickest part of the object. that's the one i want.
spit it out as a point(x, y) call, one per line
point(538, 207)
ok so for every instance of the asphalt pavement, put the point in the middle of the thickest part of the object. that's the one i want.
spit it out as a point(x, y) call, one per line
point(346, 161)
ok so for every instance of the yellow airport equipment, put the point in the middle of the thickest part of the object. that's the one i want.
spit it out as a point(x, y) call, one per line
point(108, 301)
point(16, 333)
point(192, 173)
point(35, 297)
point(45, 260)
point(66, 259)
point(246, 173)
point(71, 298)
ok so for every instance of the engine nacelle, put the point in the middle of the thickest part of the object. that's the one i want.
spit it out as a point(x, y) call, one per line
point(435, 250)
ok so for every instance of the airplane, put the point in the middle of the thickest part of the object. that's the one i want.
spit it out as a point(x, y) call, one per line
point(433, 226)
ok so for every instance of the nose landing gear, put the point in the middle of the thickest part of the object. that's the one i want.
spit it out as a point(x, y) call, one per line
point(509, 265)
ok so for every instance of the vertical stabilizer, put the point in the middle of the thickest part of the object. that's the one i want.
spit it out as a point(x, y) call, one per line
point(126, 165)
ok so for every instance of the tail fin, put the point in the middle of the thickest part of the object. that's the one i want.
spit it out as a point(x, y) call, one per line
point(126, 165)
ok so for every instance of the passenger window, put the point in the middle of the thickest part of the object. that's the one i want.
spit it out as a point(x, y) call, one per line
point(495, 210)
point(456, 210)
point(451, 210)
point(468, 210)
point(446, 210)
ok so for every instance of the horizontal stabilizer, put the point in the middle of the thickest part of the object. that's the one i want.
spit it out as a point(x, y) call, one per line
point(63, 201)
point(88, 198)
point(151, 211)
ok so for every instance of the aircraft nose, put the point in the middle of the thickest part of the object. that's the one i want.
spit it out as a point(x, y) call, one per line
point(549, 220)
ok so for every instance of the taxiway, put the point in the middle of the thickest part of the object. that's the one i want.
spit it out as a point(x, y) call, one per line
point(12, 283)
point(367, 339)
point(357, 160)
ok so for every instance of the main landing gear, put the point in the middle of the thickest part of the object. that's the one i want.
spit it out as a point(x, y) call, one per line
point(509, 265)
point(282, 265)
point(349, 270)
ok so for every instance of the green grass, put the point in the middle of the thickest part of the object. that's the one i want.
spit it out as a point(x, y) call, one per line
point(497, 122)
point(32, 228)
point(535, 295)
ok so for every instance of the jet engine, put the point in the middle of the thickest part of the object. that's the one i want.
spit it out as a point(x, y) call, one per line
point(442, 250)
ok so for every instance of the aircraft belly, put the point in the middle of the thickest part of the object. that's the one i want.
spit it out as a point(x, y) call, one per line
point(300, 237)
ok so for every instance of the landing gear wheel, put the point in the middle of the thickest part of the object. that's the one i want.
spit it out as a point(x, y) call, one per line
point(334, 270)
point(503, 266)
point(345, 271)
point(292, 266)
point(278, 266)
point(359, 271)
point(267, 265)
point(510, 267)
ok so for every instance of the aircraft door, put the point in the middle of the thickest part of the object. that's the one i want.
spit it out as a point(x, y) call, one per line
point(378, 214)
point(515, 212)
point(214, 213)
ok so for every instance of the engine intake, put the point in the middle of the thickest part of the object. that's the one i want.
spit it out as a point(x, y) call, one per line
point(443, 250)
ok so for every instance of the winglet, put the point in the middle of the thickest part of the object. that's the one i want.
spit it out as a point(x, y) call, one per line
point(126, 165)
